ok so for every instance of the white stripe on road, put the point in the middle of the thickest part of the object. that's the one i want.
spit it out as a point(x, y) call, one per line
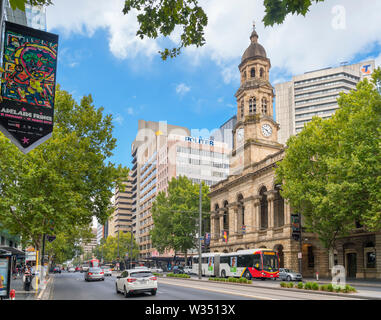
point(218, 291)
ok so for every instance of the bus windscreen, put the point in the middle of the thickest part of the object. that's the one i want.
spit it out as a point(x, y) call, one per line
point(270, 262)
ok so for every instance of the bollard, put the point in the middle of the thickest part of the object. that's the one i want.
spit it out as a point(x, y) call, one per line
point(317, 276)
point(12, 294)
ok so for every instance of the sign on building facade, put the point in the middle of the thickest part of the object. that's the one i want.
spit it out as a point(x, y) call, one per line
point(29, 63)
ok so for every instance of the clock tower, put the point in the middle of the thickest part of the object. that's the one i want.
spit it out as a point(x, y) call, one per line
point(256, 133)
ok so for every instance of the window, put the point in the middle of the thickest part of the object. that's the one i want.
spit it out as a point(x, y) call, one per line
point(264, 106)
point(371, 259)
point(224, 260)
point(195, 260)
point(257, 261)
point(262, 73)
point(245, 261)
point(252, 73)
point(264, 208)
point(311, 258)
point(252, 105)
point(124, 274)
point(242, 107)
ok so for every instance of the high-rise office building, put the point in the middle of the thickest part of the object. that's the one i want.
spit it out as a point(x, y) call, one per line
point(315, 93)
point(225, 132)
point(161, 152)
point(33, 16)
point(121, 219)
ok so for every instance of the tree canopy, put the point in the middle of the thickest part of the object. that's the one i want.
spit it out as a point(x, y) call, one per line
point(176, 215)
point(65, 181)
point(331, 172)
point(108, 249)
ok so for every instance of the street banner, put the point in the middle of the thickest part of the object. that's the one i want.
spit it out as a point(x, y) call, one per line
point(207, 239)
point(225, 236)
point(29, 65)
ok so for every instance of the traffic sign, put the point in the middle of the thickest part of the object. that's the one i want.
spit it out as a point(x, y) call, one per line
point(50, 238)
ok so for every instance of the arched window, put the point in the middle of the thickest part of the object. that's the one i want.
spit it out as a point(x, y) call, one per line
point(242, 108)
point(252, 105)
point(264, 105)
point(264, 208)
point(216, 230)
point(252, 73)
point(226, 216)
point(262, 73)
point(241, 212)
point(278, 208)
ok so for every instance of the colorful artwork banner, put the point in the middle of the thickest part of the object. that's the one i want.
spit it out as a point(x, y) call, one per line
point(29, 63)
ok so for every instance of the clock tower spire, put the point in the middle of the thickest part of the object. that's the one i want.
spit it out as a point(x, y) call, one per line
point(256, 132)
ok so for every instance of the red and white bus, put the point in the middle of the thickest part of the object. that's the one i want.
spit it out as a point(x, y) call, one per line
point(251, 264)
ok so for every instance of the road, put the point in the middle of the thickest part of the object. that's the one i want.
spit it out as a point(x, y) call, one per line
point(72, 286)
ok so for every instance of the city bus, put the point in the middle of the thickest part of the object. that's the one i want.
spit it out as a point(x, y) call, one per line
point(251, 264)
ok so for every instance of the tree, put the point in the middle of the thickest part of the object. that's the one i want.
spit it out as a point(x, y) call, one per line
point(67, 244)
point(109, 249)
point(331, 172)
point(176, 215)
point(277, 10)
point(65, 181)
point(20, 4)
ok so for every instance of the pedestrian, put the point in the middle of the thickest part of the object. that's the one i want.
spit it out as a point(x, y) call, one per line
point(27, 278)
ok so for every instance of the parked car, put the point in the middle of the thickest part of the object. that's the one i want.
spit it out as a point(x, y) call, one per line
point(289, 275)
point(71, 269)
point(107, 271)
point(178, 270)
point(188, 270)
point(136, 280)
point(94, 274)
point(157, 270)
point(84, 268)
point(57, 270)
point(77, 269)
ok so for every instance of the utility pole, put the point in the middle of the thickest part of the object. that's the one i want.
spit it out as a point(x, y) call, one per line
point(300, 244)
point(199, 236)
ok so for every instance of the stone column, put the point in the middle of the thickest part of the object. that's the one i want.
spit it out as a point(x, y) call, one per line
point(257, 214)
point(270, 201)
point(221, 222)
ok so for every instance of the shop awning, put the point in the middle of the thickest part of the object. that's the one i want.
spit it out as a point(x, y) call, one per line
point(14, 251)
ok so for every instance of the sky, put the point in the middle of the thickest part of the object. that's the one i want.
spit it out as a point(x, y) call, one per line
point(99, 54)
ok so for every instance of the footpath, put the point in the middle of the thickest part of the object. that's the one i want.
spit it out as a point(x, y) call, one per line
point(42, 293)
point(366, 289)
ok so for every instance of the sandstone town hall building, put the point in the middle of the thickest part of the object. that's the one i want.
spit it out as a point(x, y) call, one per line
point(248, 205)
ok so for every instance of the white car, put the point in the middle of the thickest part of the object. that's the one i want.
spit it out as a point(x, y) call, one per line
point(188, 270)
point(107, 271)
point(71, 269)
point(157, 270)
point(135, 281)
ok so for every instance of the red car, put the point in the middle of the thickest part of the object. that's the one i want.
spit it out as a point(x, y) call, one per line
point(77, 269)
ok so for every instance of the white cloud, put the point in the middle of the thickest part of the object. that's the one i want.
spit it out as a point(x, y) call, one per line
point(118, 119)
point(322, 38)
point(182, 89)
point(130, 111)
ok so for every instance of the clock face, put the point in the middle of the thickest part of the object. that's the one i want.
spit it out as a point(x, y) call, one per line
point(240, 135)
point(267, 130)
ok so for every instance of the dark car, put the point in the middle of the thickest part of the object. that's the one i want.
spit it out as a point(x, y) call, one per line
point(57, 270)
point(178, 270)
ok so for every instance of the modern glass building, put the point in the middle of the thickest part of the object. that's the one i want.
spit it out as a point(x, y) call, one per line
point(315, 93)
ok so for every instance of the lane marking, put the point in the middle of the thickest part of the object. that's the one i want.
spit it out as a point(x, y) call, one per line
point(219, 291)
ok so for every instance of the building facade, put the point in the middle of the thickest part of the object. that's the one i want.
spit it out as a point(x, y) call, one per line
point(121, 219)
point(225, 132)
point(248, 207)
point(314, 94)
point(162, 152)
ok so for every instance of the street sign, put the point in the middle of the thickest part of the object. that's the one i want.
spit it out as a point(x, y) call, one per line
point(5, 275)
point(300, 255)
point(27, 85)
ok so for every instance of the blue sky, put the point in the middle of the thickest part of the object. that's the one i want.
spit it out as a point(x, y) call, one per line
point(99, 55)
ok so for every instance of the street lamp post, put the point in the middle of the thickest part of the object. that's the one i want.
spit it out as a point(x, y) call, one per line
point(118, 249)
